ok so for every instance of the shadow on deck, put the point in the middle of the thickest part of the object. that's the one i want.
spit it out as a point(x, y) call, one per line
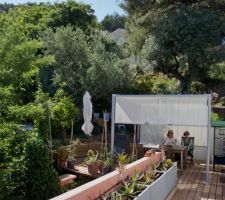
point(191, 185)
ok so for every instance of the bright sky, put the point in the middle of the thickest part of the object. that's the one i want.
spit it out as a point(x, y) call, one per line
point(101, 7)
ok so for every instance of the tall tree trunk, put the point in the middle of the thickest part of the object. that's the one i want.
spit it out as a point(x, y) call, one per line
point(184, 82)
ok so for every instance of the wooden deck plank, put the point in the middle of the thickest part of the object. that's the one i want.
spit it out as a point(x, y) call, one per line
point(195, 185)
point(219, 189)
point(191, 186)
point(213, 184)
point(181, 185)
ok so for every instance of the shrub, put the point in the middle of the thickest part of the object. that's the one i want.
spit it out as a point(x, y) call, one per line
point(41, 179)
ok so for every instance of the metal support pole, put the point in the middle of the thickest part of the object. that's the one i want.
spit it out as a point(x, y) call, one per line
point(113, 122)
point(208, 138)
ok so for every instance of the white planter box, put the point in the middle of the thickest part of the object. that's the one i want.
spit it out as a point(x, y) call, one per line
point(161, 188)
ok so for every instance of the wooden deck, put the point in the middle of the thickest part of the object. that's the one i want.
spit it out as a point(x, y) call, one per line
point(191, 184)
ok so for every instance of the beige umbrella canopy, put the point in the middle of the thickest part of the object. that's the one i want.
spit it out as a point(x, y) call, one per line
point(87, 114)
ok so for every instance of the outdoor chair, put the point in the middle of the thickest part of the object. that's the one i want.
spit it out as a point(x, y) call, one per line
point(169, 153)
point(190, 149)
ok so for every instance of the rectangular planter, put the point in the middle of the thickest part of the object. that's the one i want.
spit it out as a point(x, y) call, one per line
point(161, 188)
point(93, 189)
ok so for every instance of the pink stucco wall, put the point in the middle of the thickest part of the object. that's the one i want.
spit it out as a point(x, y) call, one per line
point(93, 189)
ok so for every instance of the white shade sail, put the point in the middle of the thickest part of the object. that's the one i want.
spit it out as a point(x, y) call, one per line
point(87, 114)
point(170, 110)
point(188, 110)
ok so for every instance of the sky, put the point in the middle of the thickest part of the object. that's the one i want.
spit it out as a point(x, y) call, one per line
point(101, 7)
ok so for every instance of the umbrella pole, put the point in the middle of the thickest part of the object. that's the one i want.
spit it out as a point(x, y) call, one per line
point(102, 140)
point(134, 149)
point(71, 138)
point(88, 142)
point(106, 139)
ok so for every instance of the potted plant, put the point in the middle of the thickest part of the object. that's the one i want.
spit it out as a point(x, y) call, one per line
point(62, 155)
point(92, 162)
point(107, 166)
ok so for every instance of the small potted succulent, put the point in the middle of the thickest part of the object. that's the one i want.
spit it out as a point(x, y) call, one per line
point(92, 162)
point(62, 155)
point(107, 166)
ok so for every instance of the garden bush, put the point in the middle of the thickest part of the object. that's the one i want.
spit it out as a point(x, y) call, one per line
point(25, 168)
point(42, 181)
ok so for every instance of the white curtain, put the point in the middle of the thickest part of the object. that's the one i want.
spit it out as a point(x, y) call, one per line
point(174, 110)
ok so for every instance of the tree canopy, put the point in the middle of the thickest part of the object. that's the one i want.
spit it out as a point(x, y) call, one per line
point(177, 38)
point(113, 22)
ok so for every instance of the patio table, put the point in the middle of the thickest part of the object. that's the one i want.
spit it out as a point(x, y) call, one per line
point(183, 152)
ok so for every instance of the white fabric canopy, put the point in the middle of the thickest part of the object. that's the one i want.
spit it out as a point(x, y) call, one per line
point(87, 114)
point(168, 110)
point(183, 110)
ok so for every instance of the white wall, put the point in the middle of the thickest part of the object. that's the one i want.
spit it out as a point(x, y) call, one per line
point(155, 134)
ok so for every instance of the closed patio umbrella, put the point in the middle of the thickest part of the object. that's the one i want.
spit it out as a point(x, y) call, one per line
point(87, 114)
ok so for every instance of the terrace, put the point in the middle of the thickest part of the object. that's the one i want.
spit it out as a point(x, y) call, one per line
point(188, 182)
point(191, 185)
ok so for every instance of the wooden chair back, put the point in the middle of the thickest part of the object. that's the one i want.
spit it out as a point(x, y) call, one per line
point(169, 153)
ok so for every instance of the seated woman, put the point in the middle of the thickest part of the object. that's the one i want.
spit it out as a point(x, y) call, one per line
point(188, 143)
point(170, 140)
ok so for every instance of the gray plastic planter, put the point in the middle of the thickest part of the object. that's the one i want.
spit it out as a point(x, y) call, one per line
point(161, 188)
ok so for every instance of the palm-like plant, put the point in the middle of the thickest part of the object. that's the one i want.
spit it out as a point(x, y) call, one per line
point(129, 190)
point(122, 160)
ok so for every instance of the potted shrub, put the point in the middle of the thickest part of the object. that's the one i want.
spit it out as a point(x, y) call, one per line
point(62, 155)
point(92, 162)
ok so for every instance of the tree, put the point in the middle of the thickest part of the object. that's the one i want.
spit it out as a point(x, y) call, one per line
point(19, 65)
point(180, 44)
point(74, 14)
point(113, 22)
point(34, 18)
point(94, 63)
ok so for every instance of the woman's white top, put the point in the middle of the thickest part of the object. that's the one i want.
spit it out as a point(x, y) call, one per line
point(170, 141)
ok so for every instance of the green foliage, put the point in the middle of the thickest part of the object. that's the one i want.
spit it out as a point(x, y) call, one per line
point(113, 22)
point(12, 167)
point(92, 63)
point(155, 84)
point(217, 71)
point(41, 180)
point(92, 157)
point(122, 160)
point(129, 190)
point(62, 153)
point(215, 116)
point(179, 48)
point(73, 13)
point(34, 18)
point(63, 109)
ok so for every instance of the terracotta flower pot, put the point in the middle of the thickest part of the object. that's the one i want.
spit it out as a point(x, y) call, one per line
point(93, 168)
